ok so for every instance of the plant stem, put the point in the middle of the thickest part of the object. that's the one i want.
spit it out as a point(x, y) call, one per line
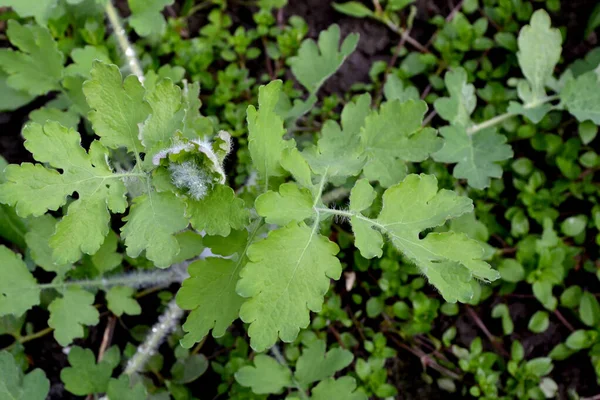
point(281, 360)
point(503, 117)
point(177, 273)
point(126, 47)
point(165, 325)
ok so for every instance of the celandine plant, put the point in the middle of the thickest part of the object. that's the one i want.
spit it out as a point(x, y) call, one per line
point(160, 165)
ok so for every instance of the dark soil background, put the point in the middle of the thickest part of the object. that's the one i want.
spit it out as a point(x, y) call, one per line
point(376, 42)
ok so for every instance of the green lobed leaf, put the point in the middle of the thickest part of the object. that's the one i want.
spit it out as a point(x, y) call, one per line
point(219, 212)
point(343, 388)
point(151, 225)
point(286, 277)
point(290, 203)
point(38, 237)
point(450, 260)
point(18, 288)
point(68, 118)
point(16, 386)
point(315, 63)
point(315, 365)
point(37, 68)
point(34, 189)
point(394, 89)
point(476, 155)
point(265, 377)
point(369, 242)
point(394, 136)
point(539, 52)
point(120, 301)
point(265, 132)
point(68, 315)
point(84, 376)
point(122, 389)
point(338, 152)
point(457, 108)
point(210, 294)
point(581, 97)
point(118, 107)
point(41, 10)
point(146, 16)
point(83, 60)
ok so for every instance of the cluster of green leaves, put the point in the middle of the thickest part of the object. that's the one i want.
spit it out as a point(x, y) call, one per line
point(274, 244)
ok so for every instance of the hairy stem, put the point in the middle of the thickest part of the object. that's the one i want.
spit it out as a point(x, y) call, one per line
point(503, 117)
point(126, 47)
point(139, 280)
point(165, 325)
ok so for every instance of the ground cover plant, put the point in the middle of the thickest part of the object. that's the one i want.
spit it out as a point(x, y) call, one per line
point(300, 200)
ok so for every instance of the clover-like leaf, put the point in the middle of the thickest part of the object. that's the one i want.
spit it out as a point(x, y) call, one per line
point(315, 63)
point(84, 376)
point(343, 388)
point(37, 68)
point(146, 16)
point(286, 277)
point(450, 260)
point(34, 189)
point(121, 389)
point(315, 365)
point(16, 386)
point(265, 377)
point(476, 155)
point(68, 314)
point(18, 288)
point(457, 108)
point(394, 136)
point(120, 301)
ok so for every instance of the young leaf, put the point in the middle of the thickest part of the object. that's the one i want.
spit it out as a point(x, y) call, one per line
point(457, 108)
point(265, 377)
point(218, 212)
point(15, 386)
point(152, 223)
point(146, 16)
point(265, 131)
point(118, 107)
point(337, 389)
point(286, 277)
point(450, 260)
point(368, 241)
point(291, 203)
point(120, 301)
point(83, 60)
point(539, 52)
point(394, 90)
point(84, 376)
point(314, 365)
point(18, 288)
point(210, 293)
point(394, 136)
point(476, 155)
point(338, 152)
point(38, 67)
point(121, 389)
point(69, 313)
point(314, 64)
point(354, 9)
point(581, 96)
point(34, 189)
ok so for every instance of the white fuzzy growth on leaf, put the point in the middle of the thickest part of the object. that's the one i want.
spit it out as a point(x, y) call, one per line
point(189, 176)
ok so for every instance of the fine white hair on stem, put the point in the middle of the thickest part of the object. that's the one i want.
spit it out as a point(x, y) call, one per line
point(166, 323)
